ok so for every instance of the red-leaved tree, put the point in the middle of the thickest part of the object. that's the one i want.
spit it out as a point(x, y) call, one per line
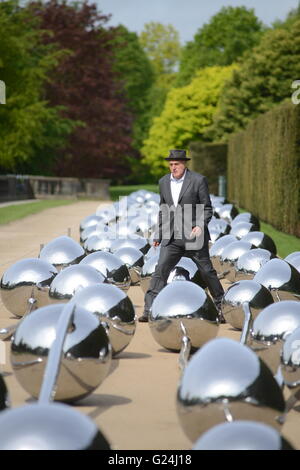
point(86, 85)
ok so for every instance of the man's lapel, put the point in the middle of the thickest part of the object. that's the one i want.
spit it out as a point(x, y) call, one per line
point(185, 184)
point(168, 194)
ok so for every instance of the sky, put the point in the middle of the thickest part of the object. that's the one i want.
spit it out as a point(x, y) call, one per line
point(187, 16)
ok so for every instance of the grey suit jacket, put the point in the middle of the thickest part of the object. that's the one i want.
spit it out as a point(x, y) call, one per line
point(193, 209)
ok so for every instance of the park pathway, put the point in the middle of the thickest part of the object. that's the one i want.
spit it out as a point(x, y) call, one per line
point(135, 407)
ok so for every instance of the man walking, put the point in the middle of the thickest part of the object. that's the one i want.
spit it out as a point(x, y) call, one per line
point(185, 210)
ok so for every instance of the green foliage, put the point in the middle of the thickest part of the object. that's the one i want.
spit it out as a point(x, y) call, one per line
point(19, 211)
point(264, 168)
point(263, 80)
point(226, 37)
point(187, 115)
point(27, 124)
point(209, 159)
point(162, 45)
point(137, 75)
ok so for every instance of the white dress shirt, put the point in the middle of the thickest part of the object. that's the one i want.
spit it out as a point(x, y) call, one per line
point(176, 185)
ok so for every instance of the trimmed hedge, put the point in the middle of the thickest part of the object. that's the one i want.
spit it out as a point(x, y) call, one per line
point(210, 160)
point(264, 168)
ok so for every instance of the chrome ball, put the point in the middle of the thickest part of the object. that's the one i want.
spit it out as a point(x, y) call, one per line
point(71, 279)
point(113, 308)
point(261, 240)
point(62, 252)
point(223, 381)
point(187, 270)
point(294, 259)
point(110, 266)
point(86, 354)
point(27, 278)
point(271, 327)
point(183, 303)
point(98, 243)
point(247, 217)
point(154, 250)
point(219, 225)
point(257, 296)
point(242, 435)
point(281, 278)
point(217, 249)
point(139, 243)
point(134, 260)
point(148, 271)
point(290, 360)
point(228, 212)
point(251, 262)
point(240, 229)
point(90, 220)
point(100, 230)
point(230, 255)
point(49, 427)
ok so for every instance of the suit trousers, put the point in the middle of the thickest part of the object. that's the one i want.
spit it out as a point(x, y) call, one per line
point(169, 257)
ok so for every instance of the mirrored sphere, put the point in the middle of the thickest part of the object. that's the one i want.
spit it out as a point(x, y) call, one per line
point(114, 308)
point(98, 243)
point(148, 271)
point(89, 221)
point(270, 329)
point(186, 270)
point(240, 229)
point(247, 217)
point(154, 250)
point(71, 279)
point(230, 255)
point(49, 427)
point(220, 225)
point(242, 435)
point(217, 249)
point(214, 236)
point(61, 252)
point(183, 302)
point(137, 242)
point(261, 240)
point(290, 360)
point(281, 278)
point(250, 263)
point(257, 296)
point(99, 229)
point(27, 278)
point(86, 353)
point(228, 212)
point(294, 260)
point(224, 381)
point(134, 260)
point(110, 266)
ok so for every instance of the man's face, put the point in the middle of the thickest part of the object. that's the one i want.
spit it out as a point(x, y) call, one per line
point(177, 168)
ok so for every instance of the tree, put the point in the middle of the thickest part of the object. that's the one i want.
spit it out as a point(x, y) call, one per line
point(263, 80)
point(161, 44)
point(187, 115)
point(86, 85)
point(137, 76)
point(29, 127)
point(231, 32)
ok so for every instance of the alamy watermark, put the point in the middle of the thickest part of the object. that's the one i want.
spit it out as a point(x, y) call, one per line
point(296, 94)
point(2, 92)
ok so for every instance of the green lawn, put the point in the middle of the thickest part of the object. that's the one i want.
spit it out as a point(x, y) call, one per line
point(18, 211)
point(117, 191)
point(285, 243)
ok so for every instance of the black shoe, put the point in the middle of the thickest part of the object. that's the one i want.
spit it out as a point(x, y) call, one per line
point(143, 318)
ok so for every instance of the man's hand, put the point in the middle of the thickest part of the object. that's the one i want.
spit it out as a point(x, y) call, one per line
point(196, 232)
point(156, 244)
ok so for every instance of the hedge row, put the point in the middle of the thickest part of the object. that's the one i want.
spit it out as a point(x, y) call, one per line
point(210, 160)
point(264, 168)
